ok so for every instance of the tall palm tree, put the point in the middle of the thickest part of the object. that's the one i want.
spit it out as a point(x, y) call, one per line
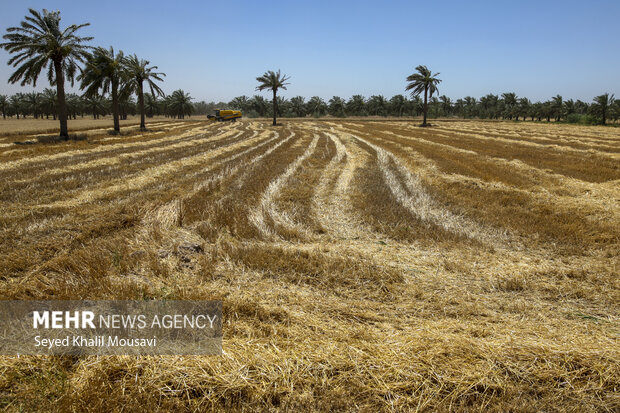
point(423, 81)
point(139, 71)
point(105, 70)
point(274, 81)
point(40, 42)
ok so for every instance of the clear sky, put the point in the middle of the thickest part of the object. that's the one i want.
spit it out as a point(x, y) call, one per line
point(215, 50)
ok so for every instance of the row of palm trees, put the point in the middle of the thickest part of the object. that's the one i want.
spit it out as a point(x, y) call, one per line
point(424, 82)
point(179, 104)
point(39, 43)
point(505, 106)
point(43, 105)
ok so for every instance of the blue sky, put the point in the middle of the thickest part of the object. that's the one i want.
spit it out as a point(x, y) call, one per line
point(215, 50)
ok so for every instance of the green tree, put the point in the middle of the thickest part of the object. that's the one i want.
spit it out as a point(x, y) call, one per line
point(569, 107)
point(557, 106)
point(469, 106)
point(105, 71)
point(49, 99)
point(509, 101)
point(397, 105)
point(151, 105)
point(336, 107)
point(423, 81)
point(273, 81)
point(34, 104)
point(446, 105)
point(523, 108)
point(17, 104)
point(615, 111)
point(316, 106)
point(258, 105)
point(181, 104)
point(39, 42)
point(356, 106)
point(138, 72)
point(601, 107)
point(96, 104)
point(298, 106)
point(377, 105)
point(241, 103)
point(4, 103)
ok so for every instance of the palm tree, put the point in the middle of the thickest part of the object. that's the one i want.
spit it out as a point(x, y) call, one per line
point(356, 106)
point(97, 105)
point(259, 105)
point(601, 106)
point(336, 107)
point(138, 72)
point(151, 105)
point(274, 81)
point(470, 106)
point(40, 42)
point(34, 103)
point(446, 105)
point(523, 108)
point(423, 81)
point(49, 100)
point(298, 106)
point(180, 104)
point(18, 104)
point(377, 105)
point(557, 105)
point(397, 104)
point(3, 104)
point(241, 103)
point(105, 70)
point(316, 106)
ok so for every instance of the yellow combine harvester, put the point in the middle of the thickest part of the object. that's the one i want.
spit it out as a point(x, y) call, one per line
point(224, 115)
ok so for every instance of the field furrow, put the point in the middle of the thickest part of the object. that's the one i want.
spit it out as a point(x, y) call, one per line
point(401, 267)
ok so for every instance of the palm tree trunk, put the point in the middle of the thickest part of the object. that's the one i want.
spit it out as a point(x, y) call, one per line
point(141, 104)
point(275, 107)
point(425, 105)
point(62, 106)
point(117, 125)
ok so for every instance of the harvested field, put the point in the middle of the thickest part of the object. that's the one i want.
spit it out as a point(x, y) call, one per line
point(363, 265)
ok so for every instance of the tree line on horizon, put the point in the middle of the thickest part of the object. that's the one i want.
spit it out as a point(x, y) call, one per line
point(180, 104)
point(43, 105)
point(506, 106)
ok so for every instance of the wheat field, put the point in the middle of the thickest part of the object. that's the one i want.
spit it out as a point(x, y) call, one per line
point(363, 264)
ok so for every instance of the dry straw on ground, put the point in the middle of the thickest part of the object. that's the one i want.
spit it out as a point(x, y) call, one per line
point(363, 265)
